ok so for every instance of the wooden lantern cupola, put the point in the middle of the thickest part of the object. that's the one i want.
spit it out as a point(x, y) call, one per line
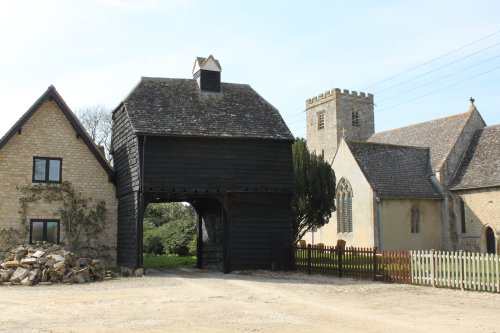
point(206, 71)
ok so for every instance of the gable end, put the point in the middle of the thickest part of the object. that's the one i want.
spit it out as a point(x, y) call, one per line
point(51, 94)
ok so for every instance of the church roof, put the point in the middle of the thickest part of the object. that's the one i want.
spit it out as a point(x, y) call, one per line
point(440, 135)
point(396, 171)
point(480, 166)
point(177, 107)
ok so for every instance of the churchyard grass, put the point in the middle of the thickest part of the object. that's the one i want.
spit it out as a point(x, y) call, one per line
point(167, 261)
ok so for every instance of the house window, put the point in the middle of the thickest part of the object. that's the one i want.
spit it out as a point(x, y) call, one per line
point(462, 216)
point(344, 206)
point(47, 170)
point(355, 118)
point(321, 120)
point(415, 220)
point(44, 230)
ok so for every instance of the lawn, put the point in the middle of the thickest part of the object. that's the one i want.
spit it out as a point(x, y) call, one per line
point(167, 261)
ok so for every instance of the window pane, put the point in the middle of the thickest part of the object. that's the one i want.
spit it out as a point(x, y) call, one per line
point(37, 232)
point(52, 232)
point(40, 165)
point(54, 170)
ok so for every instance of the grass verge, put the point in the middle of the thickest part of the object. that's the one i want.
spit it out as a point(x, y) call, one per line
point(167, 261)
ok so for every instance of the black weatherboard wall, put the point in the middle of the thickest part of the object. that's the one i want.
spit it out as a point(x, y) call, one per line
point(226, 152)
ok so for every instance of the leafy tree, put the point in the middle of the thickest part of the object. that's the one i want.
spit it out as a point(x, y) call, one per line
point(169, 228)
point(314, 200)
point(159, 214)
point(97, 121)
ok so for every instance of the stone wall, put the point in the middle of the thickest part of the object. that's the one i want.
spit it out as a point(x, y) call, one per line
point(48, 133)
point(363, 218)
point(395, 229)
point(338, 107)
point(482, 209)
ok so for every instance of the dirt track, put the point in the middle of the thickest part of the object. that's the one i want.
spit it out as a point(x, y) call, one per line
point(188, 300)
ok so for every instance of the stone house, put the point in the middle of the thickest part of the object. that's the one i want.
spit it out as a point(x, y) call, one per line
point(48, 145)
point(396, 188)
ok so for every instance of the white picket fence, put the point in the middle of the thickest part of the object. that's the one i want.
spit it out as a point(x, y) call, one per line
point(464, 270)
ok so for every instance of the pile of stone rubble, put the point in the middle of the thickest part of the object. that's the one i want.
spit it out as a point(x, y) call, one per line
point(46, 263)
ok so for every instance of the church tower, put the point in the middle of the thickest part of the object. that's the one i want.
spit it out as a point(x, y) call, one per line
point(335, 114)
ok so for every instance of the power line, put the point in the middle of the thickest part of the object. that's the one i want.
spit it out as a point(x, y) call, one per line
point(419, 66)
point(438, 90)
point(436, 69)
point(424, 74)
point(440, 79)
point(432, 60)
point(424, 95)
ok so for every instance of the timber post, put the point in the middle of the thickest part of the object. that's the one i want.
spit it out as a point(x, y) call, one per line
point(433, 268)
point(309, 259)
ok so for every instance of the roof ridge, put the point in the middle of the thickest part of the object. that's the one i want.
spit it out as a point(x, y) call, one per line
point(385, 144)
point(157, 79)
point(428, 121)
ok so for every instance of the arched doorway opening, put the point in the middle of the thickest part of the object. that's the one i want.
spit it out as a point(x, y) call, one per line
point(490, 240)
point(199, 226)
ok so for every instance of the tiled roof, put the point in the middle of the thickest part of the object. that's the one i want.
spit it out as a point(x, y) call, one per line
point(396, 171)
point(177, 107)
point(480, 166)
point(440, 135)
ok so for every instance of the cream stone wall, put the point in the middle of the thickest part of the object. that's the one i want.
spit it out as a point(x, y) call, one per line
point(363, 233)
point(48, 133)
point(482, 209)
point(395, 226)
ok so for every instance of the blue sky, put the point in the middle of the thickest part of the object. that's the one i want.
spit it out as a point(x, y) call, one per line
point(94, 52)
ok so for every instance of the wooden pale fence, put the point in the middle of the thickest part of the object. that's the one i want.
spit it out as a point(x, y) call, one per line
point(464, 270)
point(337, 260)
point(395, 266)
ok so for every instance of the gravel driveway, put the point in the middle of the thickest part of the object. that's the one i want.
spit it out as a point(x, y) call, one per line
point(190, 300)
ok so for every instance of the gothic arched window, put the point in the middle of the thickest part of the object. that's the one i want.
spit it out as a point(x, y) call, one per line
point(344, 206)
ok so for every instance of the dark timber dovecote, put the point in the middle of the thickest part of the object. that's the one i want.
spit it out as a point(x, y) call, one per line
point(227, 152)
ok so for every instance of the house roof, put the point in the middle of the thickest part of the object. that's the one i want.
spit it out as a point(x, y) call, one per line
point(396, 171)
point(440, 135)
point(480, 166)
point(177, 107)
point(52, 94)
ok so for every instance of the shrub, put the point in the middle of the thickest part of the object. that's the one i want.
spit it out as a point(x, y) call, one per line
point(177, 236)
point(169, 228)
point(152, 241)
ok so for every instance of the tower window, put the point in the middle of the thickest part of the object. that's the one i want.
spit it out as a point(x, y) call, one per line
point(355, 118)
point(321, 120)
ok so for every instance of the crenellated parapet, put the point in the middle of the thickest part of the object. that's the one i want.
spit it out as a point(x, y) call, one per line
point(336, 93)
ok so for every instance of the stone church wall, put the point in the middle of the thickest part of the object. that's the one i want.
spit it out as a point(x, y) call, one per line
point(362, 206)
point(481, 210)
point(395, 228)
